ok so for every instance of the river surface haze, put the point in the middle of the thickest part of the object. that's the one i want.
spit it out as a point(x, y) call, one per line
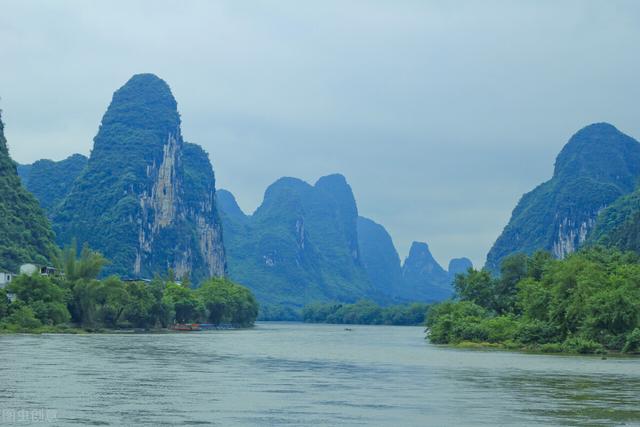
point(300, 374)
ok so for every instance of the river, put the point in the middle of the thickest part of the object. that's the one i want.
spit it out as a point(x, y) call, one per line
point(299, 374)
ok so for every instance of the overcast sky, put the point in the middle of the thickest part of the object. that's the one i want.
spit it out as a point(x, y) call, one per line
point(439, 113)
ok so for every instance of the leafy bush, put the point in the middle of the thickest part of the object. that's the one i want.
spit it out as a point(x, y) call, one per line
point(500, 329)
point(453, 322)
point(536, 332)
point(551, 348)
point(23, 317)
point(582, 346)
point(633, 342)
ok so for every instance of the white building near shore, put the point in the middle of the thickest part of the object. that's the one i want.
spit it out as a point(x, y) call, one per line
point(5, 278)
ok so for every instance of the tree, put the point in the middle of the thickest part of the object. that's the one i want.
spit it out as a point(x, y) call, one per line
point(44, 298)
point(23, 316)
point(184, 303)
point(512, 270)
point(140, 305)
point(227, 302)
point(87, 266)
point(451, 322)
point(538, 263)
point(112, 299)
point(477, 287)
point(534, 299)
point(84, 304)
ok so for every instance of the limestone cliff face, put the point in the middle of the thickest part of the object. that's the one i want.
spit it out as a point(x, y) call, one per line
point(571, 234)
point(160, 206)
point(201, 209)
point(147, 198)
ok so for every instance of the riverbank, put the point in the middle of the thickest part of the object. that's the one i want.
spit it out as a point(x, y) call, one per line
point(70, 304)
point(586, 303)
point(76, 330)
point(545, 349)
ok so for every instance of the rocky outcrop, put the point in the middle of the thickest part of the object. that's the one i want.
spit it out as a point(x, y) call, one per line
point(598, 165)
point(202, 209)
point(147, 198)
point(571, 235)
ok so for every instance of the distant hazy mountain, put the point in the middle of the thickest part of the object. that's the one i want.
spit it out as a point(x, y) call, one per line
point(300, 245)
point(146, 198)
point(23, 172)
point(25, 233)
point(597, 166)
point(379, 256)
point(459, 266)
point(51, 181)
point(423, 279)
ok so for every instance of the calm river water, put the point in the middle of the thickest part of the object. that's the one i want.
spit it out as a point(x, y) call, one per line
point(297, 374)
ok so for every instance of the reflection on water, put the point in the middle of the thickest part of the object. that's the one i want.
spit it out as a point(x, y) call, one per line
point(296, 374)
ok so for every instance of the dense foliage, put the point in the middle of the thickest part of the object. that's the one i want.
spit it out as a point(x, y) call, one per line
point(365, 313)
point(589, 302)
point(619, 224)
point(597, 166)
point(51, 181)
point(25, 233)
point(79, 299)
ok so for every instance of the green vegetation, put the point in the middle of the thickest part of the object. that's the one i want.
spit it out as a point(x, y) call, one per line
point(78, 300)
point(51, 181)
point(619, 224)
point(279, 313)
point(365, 313)
point(25, 233)
point(587, 303)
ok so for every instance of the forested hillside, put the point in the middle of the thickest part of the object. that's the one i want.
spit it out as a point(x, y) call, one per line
point(25, 232)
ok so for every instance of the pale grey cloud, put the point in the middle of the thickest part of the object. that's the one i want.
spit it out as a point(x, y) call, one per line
point(440, 114)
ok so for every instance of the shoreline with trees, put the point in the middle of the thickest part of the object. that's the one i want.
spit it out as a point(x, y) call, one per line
point(587, 303)
point(365, 312)
point(78, 302)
